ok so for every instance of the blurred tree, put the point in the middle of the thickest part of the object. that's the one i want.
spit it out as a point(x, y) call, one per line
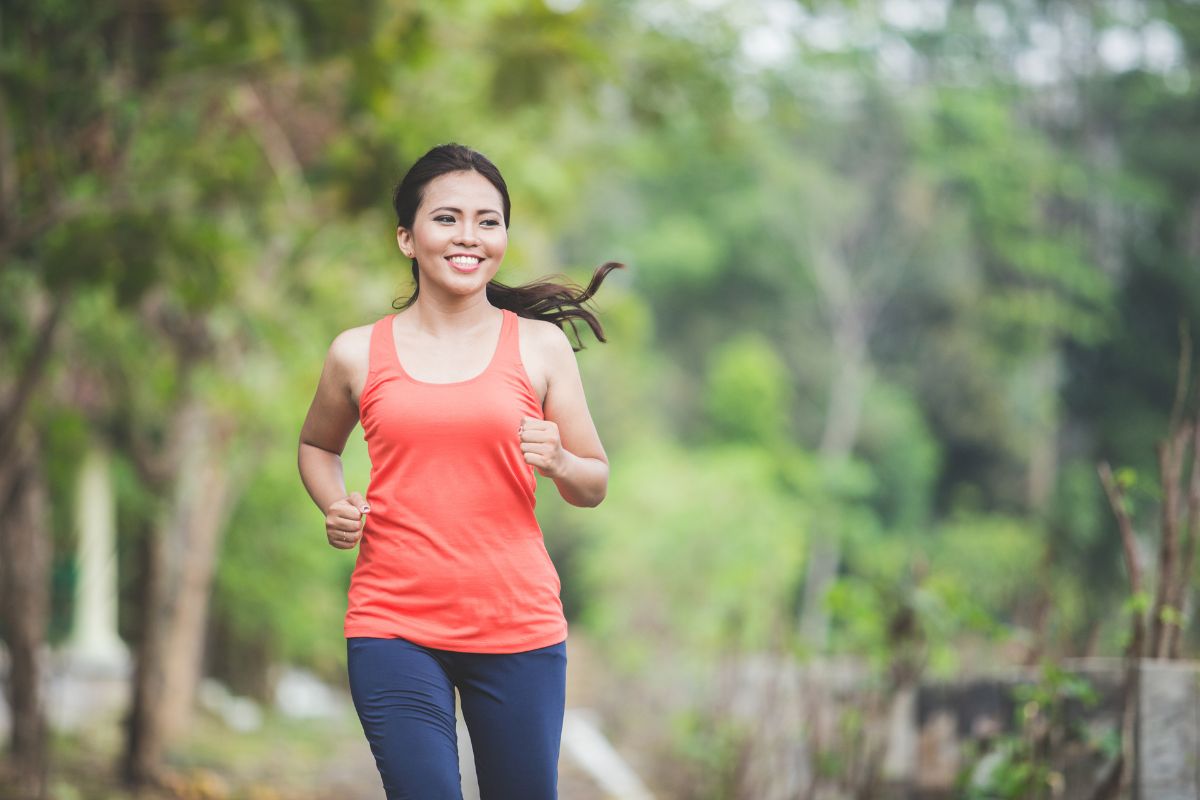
point(129, 178)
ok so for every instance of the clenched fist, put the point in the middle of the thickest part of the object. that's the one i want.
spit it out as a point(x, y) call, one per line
point(345, 520)
point(542, 446)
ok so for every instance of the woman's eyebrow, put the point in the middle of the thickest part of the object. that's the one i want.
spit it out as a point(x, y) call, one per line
point(459, 210)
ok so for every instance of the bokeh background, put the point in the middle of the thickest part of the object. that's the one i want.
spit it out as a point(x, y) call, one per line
point(900, 275)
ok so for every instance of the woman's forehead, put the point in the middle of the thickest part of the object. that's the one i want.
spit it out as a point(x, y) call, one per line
point(464, 190)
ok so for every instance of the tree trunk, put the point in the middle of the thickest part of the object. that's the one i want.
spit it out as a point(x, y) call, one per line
point(842, 419)
point(1042, 467)
point(15, 401)
point(199, 513)
point(25, 550)
point(25, 542)
point(1163, 616)
point(143, 737)
point(1181, 583)
point(180, 557)
point(848, 391)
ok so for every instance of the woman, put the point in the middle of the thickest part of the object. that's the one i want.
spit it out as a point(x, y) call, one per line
point(465, 392)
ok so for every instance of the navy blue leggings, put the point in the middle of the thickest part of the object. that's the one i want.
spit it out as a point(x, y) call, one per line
point(512, 704)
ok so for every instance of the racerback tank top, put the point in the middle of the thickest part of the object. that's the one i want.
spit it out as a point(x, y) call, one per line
point(452, 556)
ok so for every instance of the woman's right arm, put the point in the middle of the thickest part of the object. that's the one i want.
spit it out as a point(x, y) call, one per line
point(331, 417)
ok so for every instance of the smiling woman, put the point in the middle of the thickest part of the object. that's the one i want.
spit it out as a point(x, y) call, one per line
point(463, 394)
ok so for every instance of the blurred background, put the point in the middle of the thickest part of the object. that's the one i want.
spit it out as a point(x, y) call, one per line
point(896, 392)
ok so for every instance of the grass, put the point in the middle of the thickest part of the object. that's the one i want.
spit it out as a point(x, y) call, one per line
point(284, 759)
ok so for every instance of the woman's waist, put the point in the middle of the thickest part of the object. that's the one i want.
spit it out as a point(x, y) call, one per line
point(399, 520)
point(429, 567)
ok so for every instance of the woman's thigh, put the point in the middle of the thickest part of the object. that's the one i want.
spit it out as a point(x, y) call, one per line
point(405, 701)
point(513, 706)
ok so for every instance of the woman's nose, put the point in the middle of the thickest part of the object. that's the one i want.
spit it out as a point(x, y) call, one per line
point(467, 235)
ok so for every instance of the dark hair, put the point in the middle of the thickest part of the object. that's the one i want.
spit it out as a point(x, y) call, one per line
point(560, 303)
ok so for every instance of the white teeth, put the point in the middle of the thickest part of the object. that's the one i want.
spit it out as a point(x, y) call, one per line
point(465, 260)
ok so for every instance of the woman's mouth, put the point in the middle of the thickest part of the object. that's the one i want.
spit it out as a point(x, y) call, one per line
point(465, 263)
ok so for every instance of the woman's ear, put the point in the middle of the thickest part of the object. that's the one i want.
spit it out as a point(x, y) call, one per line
point(405, 240)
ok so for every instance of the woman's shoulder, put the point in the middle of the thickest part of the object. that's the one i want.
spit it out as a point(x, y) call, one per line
point(352, 347)
point(543, 335)
point(548, 349)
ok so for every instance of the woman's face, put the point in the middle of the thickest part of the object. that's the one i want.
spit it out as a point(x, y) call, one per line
point(458, 235)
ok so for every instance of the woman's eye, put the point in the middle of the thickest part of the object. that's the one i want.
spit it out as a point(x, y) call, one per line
point(491, 223)
point(444, 218)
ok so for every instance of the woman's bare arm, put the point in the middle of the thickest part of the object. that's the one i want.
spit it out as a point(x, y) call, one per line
point(331, 418)
point(566, 447)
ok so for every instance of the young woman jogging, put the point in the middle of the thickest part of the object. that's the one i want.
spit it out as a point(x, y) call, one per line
point(462, 395)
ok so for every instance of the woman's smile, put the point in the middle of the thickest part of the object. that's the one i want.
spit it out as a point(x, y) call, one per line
point(465, 263)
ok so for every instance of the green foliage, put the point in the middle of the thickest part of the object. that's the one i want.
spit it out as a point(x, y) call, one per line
point(1011, 176)
point(916, 599)
point(703, 549)
point(903, 454)
point(748, 395)
point(995, 557)
point(907, 623)
point(679, 251)
point(1020, 765)
point(712, 746)
point(279, 584)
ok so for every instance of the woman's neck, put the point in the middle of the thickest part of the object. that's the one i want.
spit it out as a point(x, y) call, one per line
point(438, 318)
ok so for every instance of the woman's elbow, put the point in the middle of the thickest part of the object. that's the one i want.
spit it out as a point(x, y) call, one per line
point(600, 492)
point(584, 499)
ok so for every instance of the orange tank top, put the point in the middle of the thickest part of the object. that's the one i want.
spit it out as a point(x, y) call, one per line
point(452, 555)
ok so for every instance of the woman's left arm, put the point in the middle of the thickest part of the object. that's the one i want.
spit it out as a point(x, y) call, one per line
point(565, 446)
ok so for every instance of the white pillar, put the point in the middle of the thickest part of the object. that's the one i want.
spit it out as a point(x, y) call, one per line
point(94, 641)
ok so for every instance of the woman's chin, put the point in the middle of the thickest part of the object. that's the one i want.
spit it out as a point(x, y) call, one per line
point(465, 286)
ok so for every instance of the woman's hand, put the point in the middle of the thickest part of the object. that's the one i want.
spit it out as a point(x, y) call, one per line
point(345, 520)
point(542, 446)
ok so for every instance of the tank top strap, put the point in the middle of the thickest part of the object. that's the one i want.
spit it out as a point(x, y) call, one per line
point(508, 351)
point(509, 367)
point(383, 348)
